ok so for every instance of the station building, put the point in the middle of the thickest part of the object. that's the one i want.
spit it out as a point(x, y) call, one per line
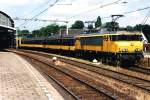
point(7, 31)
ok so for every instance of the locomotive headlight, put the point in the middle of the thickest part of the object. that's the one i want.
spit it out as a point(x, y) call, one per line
point(137, 50)
point(124, 50)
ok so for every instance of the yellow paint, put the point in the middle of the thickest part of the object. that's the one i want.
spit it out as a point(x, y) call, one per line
point(49, 46)
point(32, 45)
point(108, 45)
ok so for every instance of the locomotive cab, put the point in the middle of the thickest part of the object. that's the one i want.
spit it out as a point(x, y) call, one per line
point(128, 43)
point(128, 47)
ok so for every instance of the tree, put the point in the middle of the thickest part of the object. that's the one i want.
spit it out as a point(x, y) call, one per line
point(111, 26)
point(130, 28)
point(90, 27)
point(18, 31)
point(36, 33)
point(43, 31)
point(98, 23)
point(52, 29)
point(48, 30)
point(78, 25)
point(146, 31)
point(138, 27)
point(63, 27)
point(24, 32)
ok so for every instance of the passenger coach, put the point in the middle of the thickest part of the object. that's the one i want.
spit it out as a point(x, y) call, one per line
point(119, 48)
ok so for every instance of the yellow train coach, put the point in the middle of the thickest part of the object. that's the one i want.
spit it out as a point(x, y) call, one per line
point(120, 47)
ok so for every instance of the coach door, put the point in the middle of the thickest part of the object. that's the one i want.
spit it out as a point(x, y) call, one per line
point(78, 43)
point(106, 42)
point(109, 44)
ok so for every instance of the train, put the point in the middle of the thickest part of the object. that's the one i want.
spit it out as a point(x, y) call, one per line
point(111, 48)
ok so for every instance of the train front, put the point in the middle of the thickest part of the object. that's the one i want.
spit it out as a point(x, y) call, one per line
point(129, 47)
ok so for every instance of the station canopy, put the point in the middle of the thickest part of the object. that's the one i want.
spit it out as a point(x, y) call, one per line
point(7, 31)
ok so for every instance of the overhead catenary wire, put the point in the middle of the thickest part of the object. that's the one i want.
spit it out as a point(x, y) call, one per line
point(128, 12)
point(105, 5)
point(41, 12)
point(145, 40)
point(47, 2)
point(146, 18)
point(43, 20)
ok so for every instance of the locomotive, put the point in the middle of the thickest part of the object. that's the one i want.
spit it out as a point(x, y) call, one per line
point(117, 48)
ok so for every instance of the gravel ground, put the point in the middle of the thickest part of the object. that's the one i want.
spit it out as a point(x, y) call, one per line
point(116, 85)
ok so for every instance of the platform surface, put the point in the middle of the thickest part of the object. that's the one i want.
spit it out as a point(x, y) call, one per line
point(20, 81)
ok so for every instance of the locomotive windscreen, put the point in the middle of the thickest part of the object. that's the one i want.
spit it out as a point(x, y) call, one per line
point(92, 40)
point(127, 38)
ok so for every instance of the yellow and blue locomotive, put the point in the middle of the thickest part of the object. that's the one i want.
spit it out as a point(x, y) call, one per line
point(119, 48)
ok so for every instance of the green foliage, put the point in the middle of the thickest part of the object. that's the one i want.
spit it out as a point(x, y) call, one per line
point(130, 28)
point(146, 31)
point(98, 23)
point(25, 32)
point(18, 31)
point(46, 31)
point(141, 28)
point(138, 27)
point(78, 25)
point(36, 33)
point(111, 26)
point(22, 31)
point(53, 28)
point(90, 27)
point(63, 27)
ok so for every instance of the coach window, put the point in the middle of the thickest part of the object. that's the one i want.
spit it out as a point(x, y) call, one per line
point(71, 42)
point(114, 38)
point(135, 37)
point(105, 38)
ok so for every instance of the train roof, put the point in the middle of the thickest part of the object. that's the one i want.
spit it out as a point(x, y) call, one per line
point(64, 36)
point(34, 38)
point(51, 37)
point(116, 33)
point(73, 36)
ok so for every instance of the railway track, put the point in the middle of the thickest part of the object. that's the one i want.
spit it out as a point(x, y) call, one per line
point(135, 81)
point(140, 83)
point(77, 87)
point(140, 69)
point(69, 78)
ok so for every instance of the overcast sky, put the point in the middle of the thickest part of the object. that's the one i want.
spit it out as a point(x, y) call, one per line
point(85, 10)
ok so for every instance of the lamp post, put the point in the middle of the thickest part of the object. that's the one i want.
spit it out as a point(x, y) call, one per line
point(66, 27)
point(17, 44)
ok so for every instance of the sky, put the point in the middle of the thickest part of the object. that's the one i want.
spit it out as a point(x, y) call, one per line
point(72, 10)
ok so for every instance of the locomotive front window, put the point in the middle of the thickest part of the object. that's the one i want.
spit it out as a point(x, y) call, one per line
point(127, 38)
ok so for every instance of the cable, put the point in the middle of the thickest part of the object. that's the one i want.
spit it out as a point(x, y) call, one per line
point(136, 10)
point(41, 5)
point(43, 20)
point(37, 8)
point(41, 12)
point(143, 23)
point(146, 18)
point(95, 8)
point(124, 13)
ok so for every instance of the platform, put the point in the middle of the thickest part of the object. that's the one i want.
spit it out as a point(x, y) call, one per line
point(20, 81)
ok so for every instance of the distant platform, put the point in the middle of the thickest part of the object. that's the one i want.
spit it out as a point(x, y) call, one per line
point(146, 54)
point(20, 81)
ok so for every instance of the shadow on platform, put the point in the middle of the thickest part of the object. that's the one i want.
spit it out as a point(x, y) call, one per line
point(3, 50)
